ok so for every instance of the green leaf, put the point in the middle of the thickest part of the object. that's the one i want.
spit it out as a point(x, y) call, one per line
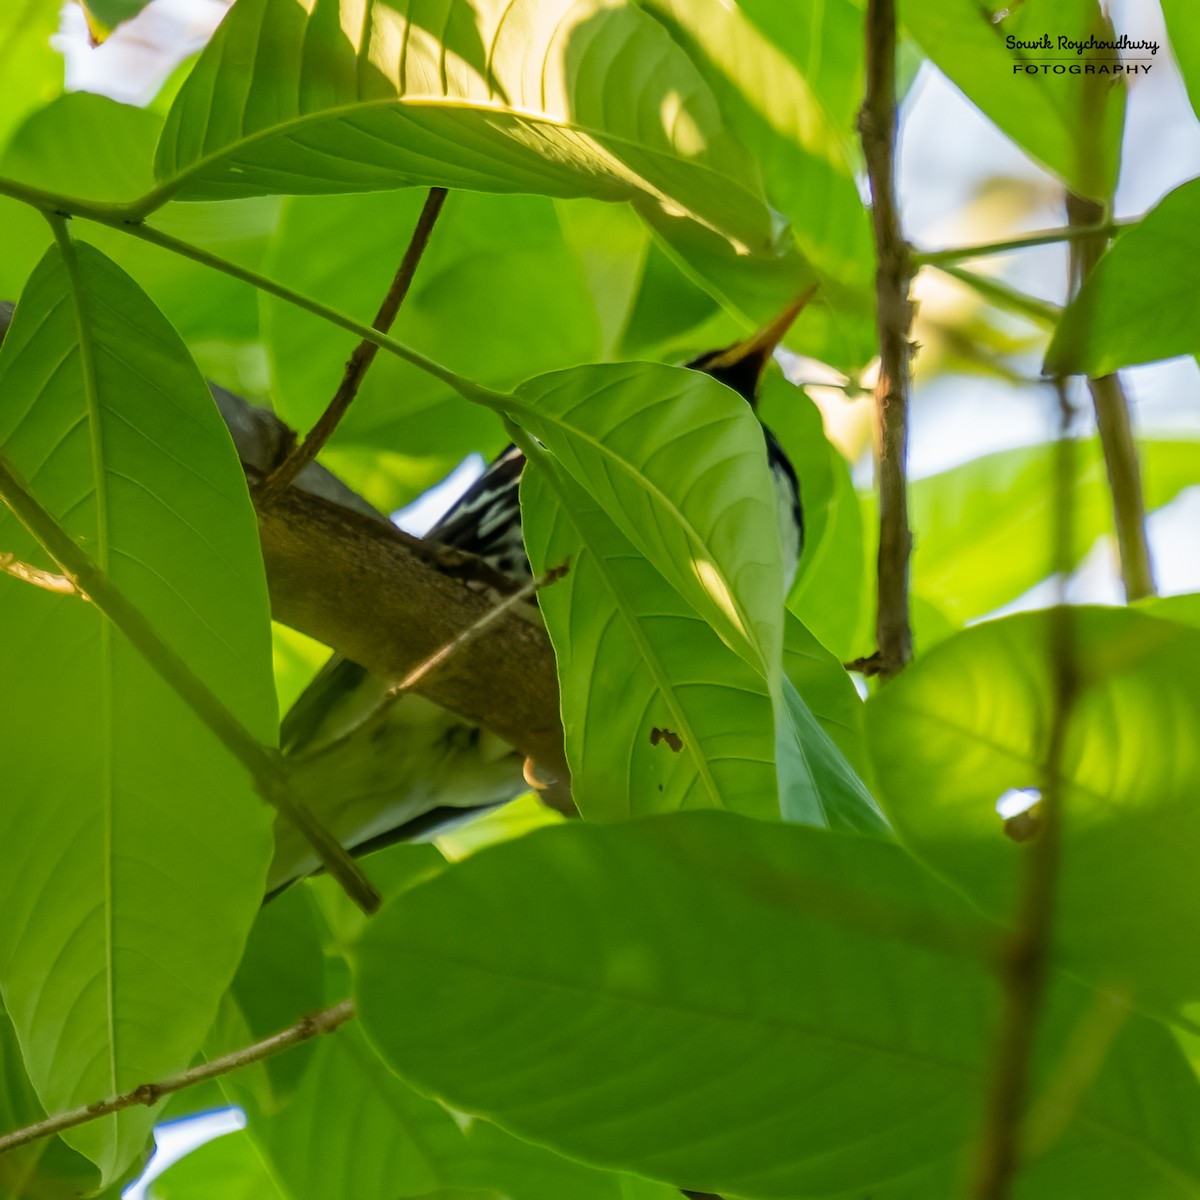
point(560, 98)
point(497, 297)
point(229, 1166)
point(87, 146)
point(636, 438)
point(135, 855)
point(1070, 123)
point(280, 978)
point(828, 595)
point(47, 1169)
point(983, 530)
point(1140, 302)
point(1184, 31)
point(748, 999)
point(828, 690)
point(970, 721)
point(808, 174)
point(380, 1140)
point(105, 15)
point(826, 47)
point(31, 68)
point(659, 713)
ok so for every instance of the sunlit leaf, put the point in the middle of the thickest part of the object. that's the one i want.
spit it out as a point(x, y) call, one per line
point(134, 870)
point(726, 1005)
point(1140, 302)
point(567, 98)
point(1070, 121)
point(636, 437)
point(228, 1166)
point(983, 530)
point(969, 723)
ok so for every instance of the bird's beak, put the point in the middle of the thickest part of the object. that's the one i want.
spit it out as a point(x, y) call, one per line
point(761, 345)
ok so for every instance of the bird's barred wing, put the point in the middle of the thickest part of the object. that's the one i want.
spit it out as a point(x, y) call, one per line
point(486, 519)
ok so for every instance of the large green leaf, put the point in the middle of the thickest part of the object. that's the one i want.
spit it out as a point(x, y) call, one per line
point(566, 98)
point(983, 530)
point(134, 849)
point(1140, 303)
point(826, 47)
point(31, 68)
point(381, 1140)
point(498, 297)
point(229, 1166)
point(1071, 122)
point(46, 1169)
point(659, 713)
point(970, 722)
point(88, 146)
point(638, 439)
point(728, 1005)
point(808, 174)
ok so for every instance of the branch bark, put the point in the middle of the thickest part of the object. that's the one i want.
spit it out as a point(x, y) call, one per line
point(1112, 421)
point(877, 124)
point(149, 1094)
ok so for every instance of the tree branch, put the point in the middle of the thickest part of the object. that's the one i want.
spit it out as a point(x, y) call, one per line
point(360, 360)
point(1025, 962)
point(1025, 241)
point(325, 1021)
point(877, 122)
point(1112, 421)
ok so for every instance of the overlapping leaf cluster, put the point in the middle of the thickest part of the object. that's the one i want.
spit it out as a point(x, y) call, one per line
point(776, 997)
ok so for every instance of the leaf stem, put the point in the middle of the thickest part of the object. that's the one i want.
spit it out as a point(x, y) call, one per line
point(118, 216)
point(360, 359)
point(325, 1021)
point(1026, 241)
point(262, 765)
point(1111, 407)
point(877, 123)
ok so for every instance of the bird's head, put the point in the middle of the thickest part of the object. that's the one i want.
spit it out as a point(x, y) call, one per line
point(741, 365)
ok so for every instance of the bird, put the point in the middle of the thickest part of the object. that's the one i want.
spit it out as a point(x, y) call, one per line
point(375, 769)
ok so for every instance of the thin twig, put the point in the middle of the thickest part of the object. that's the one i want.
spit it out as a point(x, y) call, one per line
point(1027, 241)
point(1025, 963)
point(472, 631)
point(60, 584)
point(262, 765)
point(325, 1021)
point(877, 123)
point(1112, 421)
point(360, 360)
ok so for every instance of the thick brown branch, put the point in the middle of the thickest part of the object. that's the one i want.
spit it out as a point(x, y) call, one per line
point(360, 360)
point(325, 1021)
point(1113, 423)
point(877, 123)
